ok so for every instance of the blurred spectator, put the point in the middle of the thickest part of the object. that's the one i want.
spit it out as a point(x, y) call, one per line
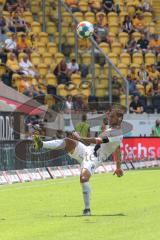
point(136, 105)
point(156, 129)
point(3, 56)
point(153, 73)
point(83, 128)
point(132, 86)
point(142, 43)
point(154, 44)
point(68, 104)
point(3, 24)
point(24, 84)
point(23, 4)
point(61, 72)
point(131, 46)
point(143, 75)
point(138, 23)
point(101, 28)
point(11, 5)
point(146, 6)
point(132, 73)
point(32, 42)
point(108, 5)
point(95, 6)
point(23, 45)
point(17, 24)
point(105, 125)
point(73, 66)
point(73, 4)
point(11, 44)
point(127, 25)
point(27, 66)
point(12, 63)
point(156, 86)
point(116, 86)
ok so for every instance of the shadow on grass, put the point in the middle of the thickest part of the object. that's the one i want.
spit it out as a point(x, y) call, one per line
point(93, 215)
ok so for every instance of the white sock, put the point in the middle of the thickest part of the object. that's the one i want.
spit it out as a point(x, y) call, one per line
point(54, 144)
point(86, 194)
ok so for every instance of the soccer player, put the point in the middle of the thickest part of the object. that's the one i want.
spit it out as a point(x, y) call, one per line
point(91, 156)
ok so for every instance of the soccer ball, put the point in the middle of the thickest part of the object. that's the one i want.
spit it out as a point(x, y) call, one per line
point(85, 29)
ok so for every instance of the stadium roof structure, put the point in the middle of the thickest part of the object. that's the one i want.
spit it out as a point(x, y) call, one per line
point(13, 101)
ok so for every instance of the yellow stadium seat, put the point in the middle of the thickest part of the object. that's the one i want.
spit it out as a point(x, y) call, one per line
point(53, 66)
point(56, 38)
point(59, 57)
point(36, 27)
point(123, 100)
point(112, 18)
point(49, 100)
point(116, 48)
point(6, 14)
point(123, 38)
point(52, 48)
point(64, 28)
point(150, 58)
point(100, 91)
point(106, 69)
point(114, 28)
point(86, 58)
point(147, 17)
point(51, 28)
point(90, 17)
point(152, 28)
point(35, 58)
point(105, 47)
point(79, 16)
point(136, 66)
point(130, 9)
point(112, 37)
point(61, 90)
point(41, 17)
point(35, 7)
point(85, 88)
point(70, 38)
point(47, 58)
point(41, 47)
point(51, 79)
point(2, 70)
point(140, 89)
point(76, 78)
point(66, 17)
point(20, 56)
point(125, 58)
point(122, 16)
point(103, 81)
point(137, 58)
point(123, 69)
point(83, 6)
point(97, 69)
point(136, 35)
point(28, 17)
point(113, 57)
point(43, 37)
point(89, 77)
point(42, 69)
point(149, 88)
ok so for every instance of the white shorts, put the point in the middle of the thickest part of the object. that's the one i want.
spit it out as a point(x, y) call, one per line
point(85, 156)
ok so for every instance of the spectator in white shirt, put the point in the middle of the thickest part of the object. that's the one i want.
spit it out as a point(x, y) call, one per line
point(11, 44)
point(73, 66)
point(27, 67)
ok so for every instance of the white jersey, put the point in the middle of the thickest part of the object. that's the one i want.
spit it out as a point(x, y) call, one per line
point(85, 154)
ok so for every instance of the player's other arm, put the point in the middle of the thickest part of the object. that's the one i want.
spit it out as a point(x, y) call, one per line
point(88, 141)
point(117, 159)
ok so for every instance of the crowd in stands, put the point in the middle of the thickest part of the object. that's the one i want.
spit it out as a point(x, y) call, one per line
point(123, 32)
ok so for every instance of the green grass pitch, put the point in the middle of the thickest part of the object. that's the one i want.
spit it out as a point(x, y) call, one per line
point(125, 208)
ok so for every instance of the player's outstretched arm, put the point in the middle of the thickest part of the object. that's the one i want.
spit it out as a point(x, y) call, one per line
point(88, 141)
point(117, 159)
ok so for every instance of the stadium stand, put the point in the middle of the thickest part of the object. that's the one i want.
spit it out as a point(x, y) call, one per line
point(128, 32)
